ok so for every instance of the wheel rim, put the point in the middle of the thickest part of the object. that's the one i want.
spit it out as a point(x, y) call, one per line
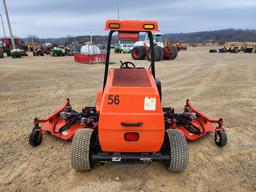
point(217, 138)
point(136, 53)
point(167, 52)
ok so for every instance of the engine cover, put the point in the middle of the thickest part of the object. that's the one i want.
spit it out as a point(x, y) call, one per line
point(130, 103)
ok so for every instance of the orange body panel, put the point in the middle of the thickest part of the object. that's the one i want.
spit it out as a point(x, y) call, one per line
point(98, 99)
point(58, 123)
point(131, 25)
point(130, 108)
point(128, 36)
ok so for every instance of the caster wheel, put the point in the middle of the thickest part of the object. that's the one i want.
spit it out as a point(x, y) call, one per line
point(220, 138)
point(35, 138)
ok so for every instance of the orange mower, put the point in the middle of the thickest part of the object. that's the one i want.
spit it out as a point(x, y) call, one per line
point(128, 122)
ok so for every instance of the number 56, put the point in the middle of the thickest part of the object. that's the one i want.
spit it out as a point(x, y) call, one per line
point(113, 99)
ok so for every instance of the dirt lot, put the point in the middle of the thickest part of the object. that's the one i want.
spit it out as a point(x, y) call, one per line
point(221, 85)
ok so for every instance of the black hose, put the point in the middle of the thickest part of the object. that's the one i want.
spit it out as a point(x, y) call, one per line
point(70, 120)
point(187, 124)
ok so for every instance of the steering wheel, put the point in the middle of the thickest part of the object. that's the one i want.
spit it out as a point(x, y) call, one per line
point(127, 64)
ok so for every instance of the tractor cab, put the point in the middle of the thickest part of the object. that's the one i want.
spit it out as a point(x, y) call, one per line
point(157, 39)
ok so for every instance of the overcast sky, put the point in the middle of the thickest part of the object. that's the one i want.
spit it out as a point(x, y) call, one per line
point(59, 18)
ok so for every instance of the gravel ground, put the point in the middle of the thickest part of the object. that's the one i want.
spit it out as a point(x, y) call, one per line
point(221, 85)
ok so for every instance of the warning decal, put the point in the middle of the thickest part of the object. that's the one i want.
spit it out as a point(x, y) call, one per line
point(150, 104)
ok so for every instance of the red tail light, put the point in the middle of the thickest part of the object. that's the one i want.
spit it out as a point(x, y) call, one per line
point(131, 136)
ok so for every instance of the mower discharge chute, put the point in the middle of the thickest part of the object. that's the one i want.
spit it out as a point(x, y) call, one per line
point(129, 122)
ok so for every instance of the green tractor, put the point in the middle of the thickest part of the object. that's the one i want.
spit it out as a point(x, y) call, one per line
point(18, 53)
point(123, 48)
point(57, 52)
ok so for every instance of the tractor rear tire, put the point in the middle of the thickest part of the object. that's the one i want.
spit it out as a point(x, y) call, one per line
point(138, 53)
point(171, 53)
point(158, 53)
point(177, 148)
point(175, 53)
point(81, 150)
point(220, 138)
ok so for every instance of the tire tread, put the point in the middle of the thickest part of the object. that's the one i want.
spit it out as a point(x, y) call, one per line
point(81, 149)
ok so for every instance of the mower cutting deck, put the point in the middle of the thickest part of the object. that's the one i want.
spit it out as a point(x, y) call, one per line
point(129, 122)
point(63, 123)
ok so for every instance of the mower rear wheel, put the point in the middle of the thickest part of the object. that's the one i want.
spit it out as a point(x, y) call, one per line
point(82, 149)
point(177, 148)
point(35, 137)
point(220, 138)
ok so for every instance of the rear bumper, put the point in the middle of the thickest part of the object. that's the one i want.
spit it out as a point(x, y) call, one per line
point(114, 141)
point(130, 157)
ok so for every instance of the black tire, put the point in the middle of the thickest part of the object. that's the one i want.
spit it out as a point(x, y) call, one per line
point(177, 148)
point(175, 53)
point(235, 50)
point(171, 53)
point(35, 138)
point(220, 138)
point(212, 51)
point(162, 54)
point(158, 53)
point(138, 53)
point(82, 149)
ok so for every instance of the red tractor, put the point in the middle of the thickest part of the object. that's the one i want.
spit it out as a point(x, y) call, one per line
point(128, 122)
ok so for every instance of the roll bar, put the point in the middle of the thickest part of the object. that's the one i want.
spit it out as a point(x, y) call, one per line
point(152, 65)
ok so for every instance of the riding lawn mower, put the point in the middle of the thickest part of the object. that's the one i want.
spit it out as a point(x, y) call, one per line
point(128, 122)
